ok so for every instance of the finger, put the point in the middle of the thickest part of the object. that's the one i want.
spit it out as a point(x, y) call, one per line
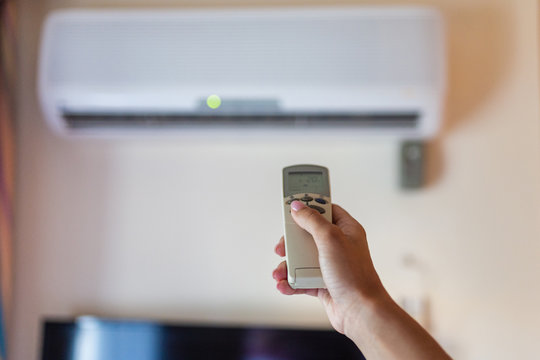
point(325, 298)
point(339, 214)
point(280, 247)
point(280, 275)
point(312, 292)
point(286, 289)
point(344, 220)
point(280, 272)
point(310, 220)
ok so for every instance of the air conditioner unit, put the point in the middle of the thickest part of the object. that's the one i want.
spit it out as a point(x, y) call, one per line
point(331, 70)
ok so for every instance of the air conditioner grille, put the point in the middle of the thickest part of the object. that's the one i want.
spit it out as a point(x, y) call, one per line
point(115, 120)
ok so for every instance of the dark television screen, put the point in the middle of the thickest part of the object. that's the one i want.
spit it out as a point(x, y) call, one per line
point(97, 339)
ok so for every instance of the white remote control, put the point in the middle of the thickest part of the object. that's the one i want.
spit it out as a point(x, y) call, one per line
point(311, 185)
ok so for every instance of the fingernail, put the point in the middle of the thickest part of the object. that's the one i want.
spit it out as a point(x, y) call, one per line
point(297, 205)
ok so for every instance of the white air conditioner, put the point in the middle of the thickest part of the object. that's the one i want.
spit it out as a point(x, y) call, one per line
point(331, 70)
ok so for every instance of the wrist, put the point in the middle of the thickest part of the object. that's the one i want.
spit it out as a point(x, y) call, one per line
point(368, 303)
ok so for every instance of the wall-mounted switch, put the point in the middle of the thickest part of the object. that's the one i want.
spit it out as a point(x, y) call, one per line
point(412, 168)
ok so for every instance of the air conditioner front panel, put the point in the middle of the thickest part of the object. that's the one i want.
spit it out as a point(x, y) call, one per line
point(332, 61)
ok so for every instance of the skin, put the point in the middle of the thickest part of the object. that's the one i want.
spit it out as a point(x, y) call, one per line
point(355, 300)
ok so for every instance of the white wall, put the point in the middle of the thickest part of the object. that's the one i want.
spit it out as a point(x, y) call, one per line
point(184, 230)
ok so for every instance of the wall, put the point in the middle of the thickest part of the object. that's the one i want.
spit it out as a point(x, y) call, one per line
point(141, 228)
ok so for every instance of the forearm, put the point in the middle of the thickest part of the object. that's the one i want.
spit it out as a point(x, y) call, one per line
point(382, 330)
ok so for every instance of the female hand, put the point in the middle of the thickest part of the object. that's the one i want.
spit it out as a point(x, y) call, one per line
point(344, 259)
point(355, 300)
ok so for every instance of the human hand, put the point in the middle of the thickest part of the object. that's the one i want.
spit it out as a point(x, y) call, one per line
point(345, 262)
point(355, 300)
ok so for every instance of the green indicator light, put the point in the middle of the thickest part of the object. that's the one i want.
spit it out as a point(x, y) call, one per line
point(213, 101)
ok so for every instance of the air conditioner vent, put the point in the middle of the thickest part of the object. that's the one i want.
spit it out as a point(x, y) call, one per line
point(373, 120)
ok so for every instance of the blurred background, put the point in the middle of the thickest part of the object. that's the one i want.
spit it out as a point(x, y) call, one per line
point(140, 228)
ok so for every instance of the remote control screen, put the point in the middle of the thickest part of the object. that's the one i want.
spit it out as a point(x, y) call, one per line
point(306, 182)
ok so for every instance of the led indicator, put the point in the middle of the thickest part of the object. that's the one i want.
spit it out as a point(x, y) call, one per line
point(213, 101)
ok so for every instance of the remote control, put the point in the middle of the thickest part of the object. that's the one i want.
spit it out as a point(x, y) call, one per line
point(309, 184)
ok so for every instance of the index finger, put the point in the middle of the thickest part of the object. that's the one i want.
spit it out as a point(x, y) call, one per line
point(344, 220)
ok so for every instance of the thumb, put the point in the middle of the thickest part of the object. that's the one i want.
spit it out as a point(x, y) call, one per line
point(310, 220)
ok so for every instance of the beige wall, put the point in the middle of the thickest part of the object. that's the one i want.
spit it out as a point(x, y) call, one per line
point(123, 228)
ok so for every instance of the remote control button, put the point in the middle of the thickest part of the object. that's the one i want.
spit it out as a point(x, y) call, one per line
point(318, 208)
point(321, 201)
point(307, 198)
point(291, 200)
